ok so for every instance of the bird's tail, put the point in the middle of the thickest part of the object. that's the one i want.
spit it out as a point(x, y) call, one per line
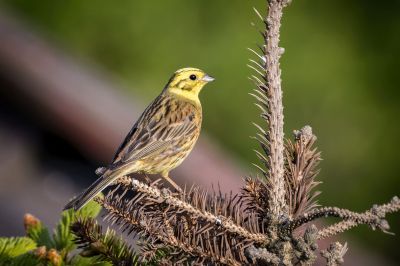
point(101, 183)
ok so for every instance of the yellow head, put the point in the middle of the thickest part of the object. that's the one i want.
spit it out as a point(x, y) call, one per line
point(187, 83)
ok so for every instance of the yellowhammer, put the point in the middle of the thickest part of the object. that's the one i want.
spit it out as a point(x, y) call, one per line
point(162, 137)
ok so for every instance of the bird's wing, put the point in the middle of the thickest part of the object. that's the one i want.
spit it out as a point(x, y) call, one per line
point(132, 135)
point(159, 127)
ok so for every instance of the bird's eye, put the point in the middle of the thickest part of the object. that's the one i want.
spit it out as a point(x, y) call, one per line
point(193, 77)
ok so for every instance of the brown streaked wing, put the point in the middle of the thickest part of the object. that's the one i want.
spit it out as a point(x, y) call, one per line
point(164, 123)
point(136, 131)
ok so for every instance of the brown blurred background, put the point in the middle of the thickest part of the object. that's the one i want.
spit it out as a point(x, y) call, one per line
point(74, 76)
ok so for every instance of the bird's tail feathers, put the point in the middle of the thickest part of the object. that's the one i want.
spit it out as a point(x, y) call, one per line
point(101, 183)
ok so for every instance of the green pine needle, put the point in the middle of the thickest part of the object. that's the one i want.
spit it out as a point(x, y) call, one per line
point(63, 238)
point(106, 246)
point(12, 247)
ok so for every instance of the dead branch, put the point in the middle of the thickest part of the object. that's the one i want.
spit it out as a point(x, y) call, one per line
point(165, 196)
point(269, 97)
point(375, 217)
point(302, 160)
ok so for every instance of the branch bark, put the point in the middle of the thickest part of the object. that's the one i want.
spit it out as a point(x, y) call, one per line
point(374, 217)
point(274, 116)
point(167, 197)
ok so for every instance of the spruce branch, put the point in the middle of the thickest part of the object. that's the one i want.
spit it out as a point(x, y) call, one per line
point(157, 236)
point(336, 228)
point(90, 237)
point(192, 226)
point(275, 135)
point(14, 246)
point(302, 160)
point(35, 230)
point(254, 195)
point(269, 99)
point(195, 203)
point(375, 217)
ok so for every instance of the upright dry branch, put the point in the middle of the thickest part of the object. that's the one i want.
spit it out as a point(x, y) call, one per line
point(269, 96)
point(275, 136)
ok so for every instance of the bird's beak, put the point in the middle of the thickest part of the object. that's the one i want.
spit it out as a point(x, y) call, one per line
point(207, 78)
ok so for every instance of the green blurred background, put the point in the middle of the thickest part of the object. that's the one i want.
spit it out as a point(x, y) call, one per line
point(340, 75)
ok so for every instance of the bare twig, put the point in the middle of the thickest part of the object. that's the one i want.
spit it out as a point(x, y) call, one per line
point(269, 99)
point(336, 228)
point(373, 217)
point(274, 115)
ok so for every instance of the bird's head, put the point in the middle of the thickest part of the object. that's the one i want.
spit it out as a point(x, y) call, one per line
point(187, 83)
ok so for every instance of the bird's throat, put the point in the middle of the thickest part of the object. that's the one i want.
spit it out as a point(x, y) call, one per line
point(188, 95)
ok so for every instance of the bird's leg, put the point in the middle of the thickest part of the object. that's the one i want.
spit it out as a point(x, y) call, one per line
point(166, 177)
point(147, 178)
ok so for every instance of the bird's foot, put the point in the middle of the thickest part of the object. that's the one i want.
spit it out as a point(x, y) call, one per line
point(179, 190)
point(147, 179)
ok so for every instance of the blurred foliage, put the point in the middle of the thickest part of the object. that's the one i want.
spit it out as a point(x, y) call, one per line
point(64, 247)
point(340, 75)
point(14, 246)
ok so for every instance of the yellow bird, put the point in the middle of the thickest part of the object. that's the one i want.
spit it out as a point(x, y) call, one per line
point(161, 138)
